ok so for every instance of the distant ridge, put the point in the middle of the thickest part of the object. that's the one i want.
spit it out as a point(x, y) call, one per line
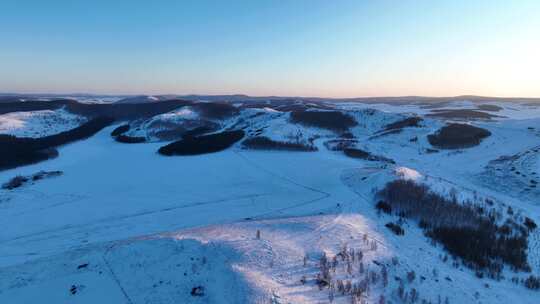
point(139, 99)
point(13, 97)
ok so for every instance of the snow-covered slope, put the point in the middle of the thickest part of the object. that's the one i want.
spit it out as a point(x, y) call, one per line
point(138, 99)
point(171, 125)
point(38, 123)
point(126, 225)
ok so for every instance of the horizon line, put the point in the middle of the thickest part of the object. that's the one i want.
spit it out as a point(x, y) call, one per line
point(261, 96)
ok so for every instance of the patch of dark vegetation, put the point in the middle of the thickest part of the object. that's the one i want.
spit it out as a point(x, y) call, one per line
point(357, 153)
point(199, 131)
point(301, 107)
point(361, 154)
point(413, 122)
point(331, 120)
point(489, 107)
point(125, 111)
point(20, 180)
point(202, 144)
point(85, 265)
point(15, 182)
point(197, 291)
point(265, 143)
point(11, 160)
point(18, 151)
point(384, 207)
point(12, 98)
point(118, 111)
point(340, 144)
point(120, 130)
point(130, 139)
point(461, 114)
point(46, 174)
point(532, 282)
point(457, 136)
point(466, 230)
point(395, 228)
point(215, 110)
point(482, 247)
point(33, 105)
point(292, 107)
point(73, 290)
point(351, 261)
point(529, 223)
point(169, 131)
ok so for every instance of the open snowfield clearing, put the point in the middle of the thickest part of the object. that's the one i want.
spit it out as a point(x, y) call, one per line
point(112, 191)
point(233, 265)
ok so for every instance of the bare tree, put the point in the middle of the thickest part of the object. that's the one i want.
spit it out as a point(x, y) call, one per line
point(384, 275)
point(414, 295)
point(411, 275)
point(348, 286)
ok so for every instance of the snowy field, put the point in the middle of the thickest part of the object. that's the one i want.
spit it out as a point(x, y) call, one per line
point(126, 225)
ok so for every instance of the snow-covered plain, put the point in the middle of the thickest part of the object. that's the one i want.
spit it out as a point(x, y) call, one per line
point(126, 225)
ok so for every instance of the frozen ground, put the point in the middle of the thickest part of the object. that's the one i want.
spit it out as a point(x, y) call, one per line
point(126, 225)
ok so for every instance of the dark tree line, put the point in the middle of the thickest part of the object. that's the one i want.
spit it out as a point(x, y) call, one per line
point(130, 139)
point(33, 105)
point(18, 151)
point(460, 114)
point(532, 282)
point(202, 144)
point(215, 110)
point(361, 154)
point(331, 120)
point(117, 111)
point(120, 130)
point(125, 111)
point(265, 143)
point(395, 228)
point(20, 180)
point(340, 144)
point(466, 230)
point(404, 123)
point(456, 136)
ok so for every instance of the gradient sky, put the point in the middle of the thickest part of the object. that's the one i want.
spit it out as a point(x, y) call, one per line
point(301, 48)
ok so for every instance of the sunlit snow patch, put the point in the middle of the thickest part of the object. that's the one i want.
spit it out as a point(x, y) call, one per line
point(183, 113)
point(407, 173)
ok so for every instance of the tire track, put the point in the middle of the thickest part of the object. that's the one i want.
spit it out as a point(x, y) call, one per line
point(138, 214)
point(114, 276)
point(323, 193)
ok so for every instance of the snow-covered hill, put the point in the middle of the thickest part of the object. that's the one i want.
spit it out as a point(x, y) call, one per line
point(38, 123)
point(124, 224)
point(138, 99)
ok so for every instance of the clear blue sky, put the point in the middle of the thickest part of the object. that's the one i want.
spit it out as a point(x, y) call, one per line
point(309, 48)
